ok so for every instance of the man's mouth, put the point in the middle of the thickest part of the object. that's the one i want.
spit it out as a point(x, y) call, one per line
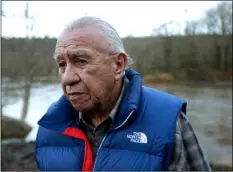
point(74, 95)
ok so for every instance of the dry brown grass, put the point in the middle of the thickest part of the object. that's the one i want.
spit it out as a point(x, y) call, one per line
point(158, 78)
point(220, 167)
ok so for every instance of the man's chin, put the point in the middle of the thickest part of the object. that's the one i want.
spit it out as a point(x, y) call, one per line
point(81, 107)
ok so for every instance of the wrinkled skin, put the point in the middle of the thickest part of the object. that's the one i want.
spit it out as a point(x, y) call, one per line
point(91, 78)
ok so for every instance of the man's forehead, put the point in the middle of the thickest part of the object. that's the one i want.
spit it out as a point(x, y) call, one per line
point(88, 37)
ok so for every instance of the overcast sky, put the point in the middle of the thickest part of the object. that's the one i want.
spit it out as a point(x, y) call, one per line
point(129, 18)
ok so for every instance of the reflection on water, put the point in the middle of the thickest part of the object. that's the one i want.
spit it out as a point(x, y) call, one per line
point(209, 109)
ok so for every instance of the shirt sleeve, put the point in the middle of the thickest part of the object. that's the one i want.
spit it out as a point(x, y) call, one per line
point(187, 152)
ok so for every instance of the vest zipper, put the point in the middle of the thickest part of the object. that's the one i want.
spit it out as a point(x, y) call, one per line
point(107, 134)
point(98, 151)
point(123, 123)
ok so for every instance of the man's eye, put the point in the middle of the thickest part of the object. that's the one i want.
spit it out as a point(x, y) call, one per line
point(81, 61)
point(62, 65)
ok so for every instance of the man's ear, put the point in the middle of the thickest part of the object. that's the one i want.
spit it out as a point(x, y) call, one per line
point(121, 62)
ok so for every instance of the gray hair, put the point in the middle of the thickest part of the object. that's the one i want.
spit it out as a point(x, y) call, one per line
point(112, 36)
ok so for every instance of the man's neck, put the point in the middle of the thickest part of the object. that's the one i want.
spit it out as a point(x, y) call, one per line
point(98, 116)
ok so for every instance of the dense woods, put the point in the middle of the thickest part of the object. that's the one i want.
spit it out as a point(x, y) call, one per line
point(199, 57)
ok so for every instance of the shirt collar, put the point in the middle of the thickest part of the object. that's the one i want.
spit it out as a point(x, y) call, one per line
point(113, 113)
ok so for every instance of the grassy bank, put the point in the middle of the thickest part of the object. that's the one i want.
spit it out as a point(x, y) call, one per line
point(213, 77)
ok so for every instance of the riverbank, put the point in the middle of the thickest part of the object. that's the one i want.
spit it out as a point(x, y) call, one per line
point(16, 154)
point(19, 156)
point(169, 79)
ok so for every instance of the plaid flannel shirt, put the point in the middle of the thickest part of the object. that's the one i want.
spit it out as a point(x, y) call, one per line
point(187, 153)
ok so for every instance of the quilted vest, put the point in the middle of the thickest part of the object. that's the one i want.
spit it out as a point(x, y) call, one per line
point(141, 139)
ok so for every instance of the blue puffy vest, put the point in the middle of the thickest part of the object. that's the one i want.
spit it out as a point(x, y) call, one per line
point(142, 137)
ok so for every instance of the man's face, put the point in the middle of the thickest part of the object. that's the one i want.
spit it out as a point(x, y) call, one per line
point(88, 74)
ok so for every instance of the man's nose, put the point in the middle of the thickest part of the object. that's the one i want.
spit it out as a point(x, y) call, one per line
point(70, 76)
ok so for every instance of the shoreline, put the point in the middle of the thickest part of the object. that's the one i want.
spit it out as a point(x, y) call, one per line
point(19, 155)
point(190, 83)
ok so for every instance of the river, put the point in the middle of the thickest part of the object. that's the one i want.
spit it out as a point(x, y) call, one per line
point(209, 109)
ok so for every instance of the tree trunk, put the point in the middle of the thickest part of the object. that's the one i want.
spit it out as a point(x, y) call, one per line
point(167, 54)
point(26, 97)
point(222, 62)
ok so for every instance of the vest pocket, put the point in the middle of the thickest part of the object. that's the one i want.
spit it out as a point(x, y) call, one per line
point(125, 160)
point(59, 158)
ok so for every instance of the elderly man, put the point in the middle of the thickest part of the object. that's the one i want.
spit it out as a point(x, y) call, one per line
point(106, 119)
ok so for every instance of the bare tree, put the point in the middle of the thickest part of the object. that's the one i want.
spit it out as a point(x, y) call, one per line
point(192, 27)
point(166, 32)
point(218, 19)
point(33, 60)
point(24, 66)
point(33, 56)
point(191, 31)
point(7, 89)
point(211, 21)
point(224, 11)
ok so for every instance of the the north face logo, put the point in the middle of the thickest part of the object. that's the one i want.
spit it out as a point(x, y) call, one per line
point(137, 137)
